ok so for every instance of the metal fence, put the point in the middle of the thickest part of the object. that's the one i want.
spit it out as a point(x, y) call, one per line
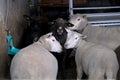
point(99, 19)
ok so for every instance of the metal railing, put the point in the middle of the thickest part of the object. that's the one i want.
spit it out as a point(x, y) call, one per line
point(98, 19)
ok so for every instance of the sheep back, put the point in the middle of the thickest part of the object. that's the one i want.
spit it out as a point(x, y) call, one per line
point(34, 62)
point(96, 58)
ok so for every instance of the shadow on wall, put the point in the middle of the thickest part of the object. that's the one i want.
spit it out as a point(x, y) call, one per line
point(4, 59)
point(13, 11)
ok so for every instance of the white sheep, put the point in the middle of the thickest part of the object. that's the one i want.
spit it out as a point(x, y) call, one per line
point(108, 36)
point(95, 60)
point(35, 62)
point(79, 22)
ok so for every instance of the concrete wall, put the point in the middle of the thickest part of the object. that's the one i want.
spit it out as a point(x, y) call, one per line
point(14, 11)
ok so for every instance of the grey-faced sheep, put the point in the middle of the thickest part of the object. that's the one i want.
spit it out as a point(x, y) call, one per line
point(35, 62)
point(95, 60)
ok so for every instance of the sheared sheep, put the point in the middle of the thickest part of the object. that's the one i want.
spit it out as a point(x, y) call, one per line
point(35, 62)
point(97, 61)
point(108, 36)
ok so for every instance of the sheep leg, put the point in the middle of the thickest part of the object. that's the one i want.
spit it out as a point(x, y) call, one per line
point(110, 75)
point(117, 51)
point(96, 75)
point(118, 75)
point(65, 57)
point(79, 72)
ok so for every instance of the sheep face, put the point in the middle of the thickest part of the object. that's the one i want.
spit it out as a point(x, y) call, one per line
point(79, 21)
point(58, 29)
point(59, 25)
point(73, 38)
point(55, 45)
point(50, 43)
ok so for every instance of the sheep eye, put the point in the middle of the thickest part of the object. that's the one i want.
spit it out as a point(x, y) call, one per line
point(78, 19)
point(76, 38)
point(53, 40)
point(48, 36)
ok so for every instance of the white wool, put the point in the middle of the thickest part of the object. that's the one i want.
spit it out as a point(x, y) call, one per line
point(35, 62)
point(95, 60)
point(107, 36)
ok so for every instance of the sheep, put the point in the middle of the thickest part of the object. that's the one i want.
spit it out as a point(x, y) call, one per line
point(35, 62)
point(58, 28)
point(78, 21)
point(107, 36)
point(35, 27)
point(94, 59)
point(32, 31)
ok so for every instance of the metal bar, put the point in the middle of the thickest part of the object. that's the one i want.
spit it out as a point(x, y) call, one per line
point(112, 24)
point(93, 8)
point(71, 7)
point(88, 8)
point(102, 14)
point(106, 21)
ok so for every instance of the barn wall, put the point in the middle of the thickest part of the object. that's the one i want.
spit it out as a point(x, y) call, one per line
point(55, 2)
point(16, 9)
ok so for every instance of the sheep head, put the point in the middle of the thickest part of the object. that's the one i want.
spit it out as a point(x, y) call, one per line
point(50, 43)
point(72, 39)
point(59, 25)
point(58, 29)
point(79, 21)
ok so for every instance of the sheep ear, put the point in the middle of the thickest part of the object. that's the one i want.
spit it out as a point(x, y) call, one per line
point(67, 30)
point(49, 35)
point(47, 38)
point(84, 16)
point(52, 23)
point(83, 36)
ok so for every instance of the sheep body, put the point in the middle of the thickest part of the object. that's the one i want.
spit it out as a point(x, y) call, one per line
point(95, 60)
point(103, 35)
point(35, 62)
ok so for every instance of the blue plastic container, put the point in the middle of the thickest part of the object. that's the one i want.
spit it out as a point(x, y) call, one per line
point(10, 47)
